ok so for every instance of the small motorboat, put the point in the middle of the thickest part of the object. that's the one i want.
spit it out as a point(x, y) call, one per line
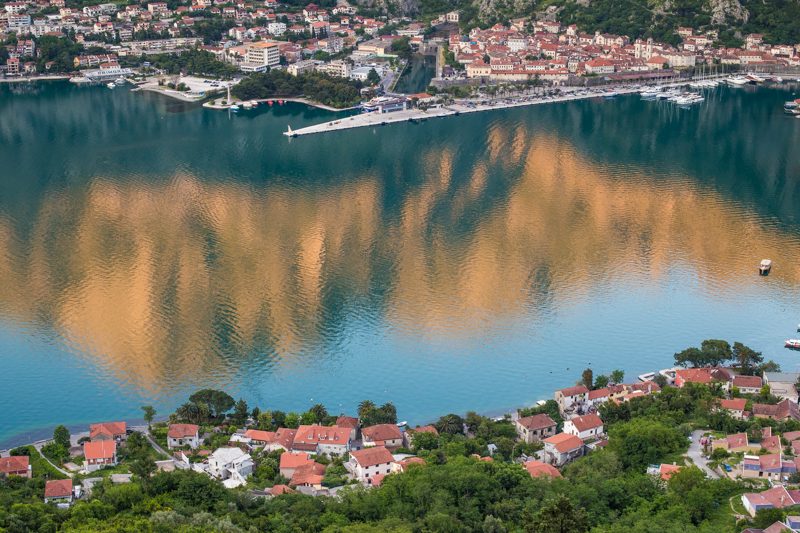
point(765, 266)
point(111, 85)
point(793, 344)
point(234, 108)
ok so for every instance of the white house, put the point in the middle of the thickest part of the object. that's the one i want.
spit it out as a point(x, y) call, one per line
point(748, 384)
point(58, 491)
point(180, 435)
point(99, 454)
point(584, 427)
point(367, 463)
point(562, 448)
point(231, 465)
point(571, 397)
point(330, 440)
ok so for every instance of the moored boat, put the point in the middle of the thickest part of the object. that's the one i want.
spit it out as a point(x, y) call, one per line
point(765, 266)
point(793, 344)
point(111, 85)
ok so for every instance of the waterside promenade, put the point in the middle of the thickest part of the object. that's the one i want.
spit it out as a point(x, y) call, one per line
point(465, 106)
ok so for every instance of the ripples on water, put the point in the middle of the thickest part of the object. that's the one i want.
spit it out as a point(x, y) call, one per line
point(475, 263)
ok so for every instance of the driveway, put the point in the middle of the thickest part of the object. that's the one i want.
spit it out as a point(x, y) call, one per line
point(695, 453)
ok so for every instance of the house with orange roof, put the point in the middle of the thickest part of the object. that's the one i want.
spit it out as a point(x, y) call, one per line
point(663, 471)
point(283, 439)
point(308, 475)
point(330, 440)
point(535, 428)
point(748, 384)
point(291, 461)
point(16, 465)
point(737, 442)
point(179, 435)
point(777, 497)
point(277, 490)
point(783, 410)
point(258, 437)
point(58, 491)
point(349, 422)
point(365, 464)
point(735, 407)
point(562, 448)
point(99, 454)
point(388, 435)
point(408, 435)
point(403, 466)
point(705, 376)
point(540, 469)
point(108, 431)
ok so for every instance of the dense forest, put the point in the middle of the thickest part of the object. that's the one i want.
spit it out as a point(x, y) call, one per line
point(607, 491)
point(328, 90)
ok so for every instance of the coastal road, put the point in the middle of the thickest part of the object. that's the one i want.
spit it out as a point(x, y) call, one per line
point(38, 446)
point(695, 453)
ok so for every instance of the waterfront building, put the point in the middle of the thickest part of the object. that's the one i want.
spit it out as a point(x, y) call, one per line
point(367, 463)
point(782, 384)
point(535, 428)
point(108, 431)
point(748, 384)
point(388, 435)
point(349, 422)
point(337, 67)
point(107, 72)
point(179, 435)
point(572, 397)
point(385, 104)
point(260, 56)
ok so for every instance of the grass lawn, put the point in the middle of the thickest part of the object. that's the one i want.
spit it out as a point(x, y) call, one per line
point(40, 467)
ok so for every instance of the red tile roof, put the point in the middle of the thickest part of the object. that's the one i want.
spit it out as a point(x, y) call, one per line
point(784, 409)
point(347, 422)
point(666, 471)
point(310, 474)
point(295, 460)
point(753, 382)
point(425, 429)
point(535, 422)
point(736, 404)
point(538, 468)
point(180, 431)
point(599, 393)
point(574, 391)
point(405, 463)
point(308, 436)
point(778, 497)
point(564, 442)
point(107, 429)
point(14, 464)
point(737, 440)
point(277, 490)
point(586, 422)
point(381, 432)
point(58, 488)
point(259, 435)
point(372, 456)
point(102, 449)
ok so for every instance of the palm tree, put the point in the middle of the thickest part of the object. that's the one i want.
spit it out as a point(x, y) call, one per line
point(451, 424)
point(365, 407)
point(319, 411)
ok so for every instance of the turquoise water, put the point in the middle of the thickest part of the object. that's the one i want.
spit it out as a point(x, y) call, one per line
point(149, 248)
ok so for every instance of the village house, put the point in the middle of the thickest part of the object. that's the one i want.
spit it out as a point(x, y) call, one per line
point(179, 435)
point(388, 435)
point(309, 475)
point(735, 407)
point(571, 398)
point(404, 464)
point(535, 428)
point(540, 469)
point(584, 427)
point(16, 465)
point(772, 466)
point(562, 448)
point(231, 465)
point(108, 431)
point(99, 454)
point(784, 410)
point(704, 376)
point(330, 440)
point(58, 491)
point(350, 423)
point(748, 384)
point(737, 442)
point(291, 461)
point(663, 471)
point(367, 463)
point(777, 497)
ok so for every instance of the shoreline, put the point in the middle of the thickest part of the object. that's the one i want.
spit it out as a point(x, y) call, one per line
point(28, 79)
point(298, 100)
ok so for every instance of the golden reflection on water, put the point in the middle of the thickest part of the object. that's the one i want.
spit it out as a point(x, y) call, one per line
point(145, 276)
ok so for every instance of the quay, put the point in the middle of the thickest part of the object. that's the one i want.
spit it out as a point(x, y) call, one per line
point(462, 107)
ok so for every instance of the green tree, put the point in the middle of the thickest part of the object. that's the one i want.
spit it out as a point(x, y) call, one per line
point(601, 381)
point(149, 414)
point(746, 358)
point(219, 401)
point(240, 412)
point(143, 468)
point(617, 376)
point(319, 412)
point(559, 515)
point(373, 78)
point(61, 436)
point(451, 424)
point(644, 441)
point(587, 378)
